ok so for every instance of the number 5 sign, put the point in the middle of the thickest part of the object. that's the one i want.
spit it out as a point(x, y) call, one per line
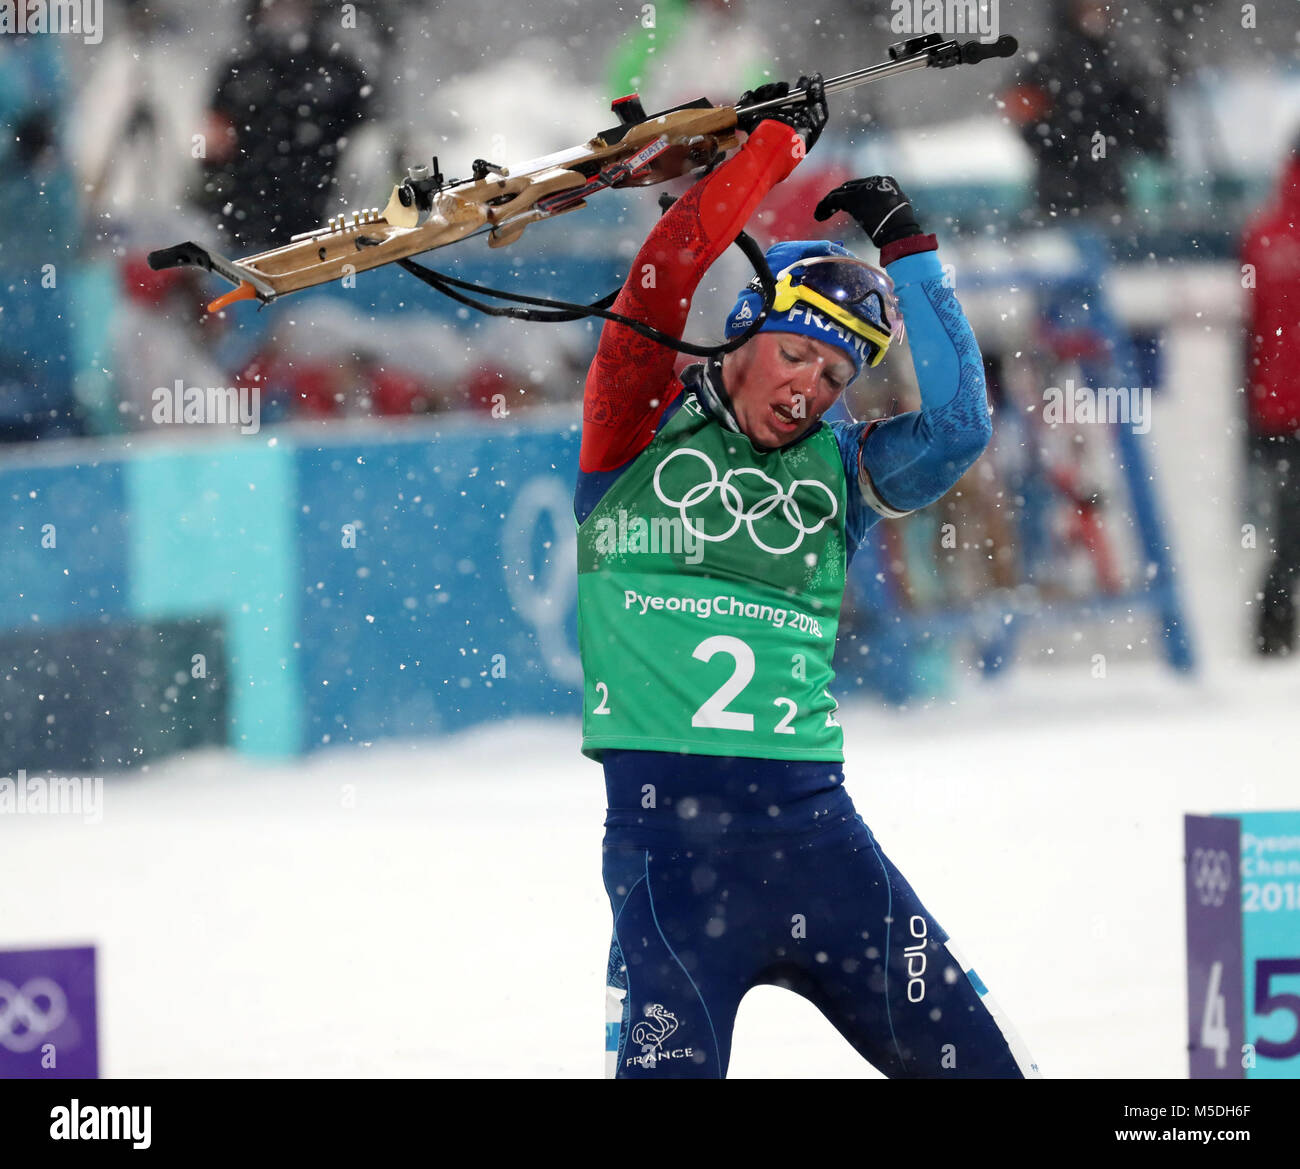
point(1243, 945)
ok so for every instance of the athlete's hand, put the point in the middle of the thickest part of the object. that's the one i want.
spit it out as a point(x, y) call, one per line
point(877, 203)
point(809, 118)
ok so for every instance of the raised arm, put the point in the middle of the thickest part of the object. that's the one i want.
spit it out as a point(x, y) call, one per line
point(631, 380)
point(909, 461)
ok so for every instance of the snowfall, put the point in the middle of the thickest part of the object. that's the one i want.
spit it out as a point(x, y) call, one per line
point(436, 908)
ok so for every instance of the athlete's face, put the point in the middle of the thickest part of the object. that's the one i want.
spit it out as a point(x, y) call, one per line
point(781, 384)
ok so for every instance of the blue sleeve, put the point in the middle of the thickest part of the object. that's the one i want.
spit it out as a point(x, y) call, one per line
point(915, 458)
point(860, 519)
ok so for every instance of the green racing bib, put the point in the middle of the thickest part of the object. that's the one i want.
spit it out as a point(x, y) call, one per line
point(710, 578)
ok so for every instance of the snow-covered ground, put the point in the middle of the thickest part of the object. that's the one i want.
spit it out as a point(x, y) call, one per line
point(436, 909)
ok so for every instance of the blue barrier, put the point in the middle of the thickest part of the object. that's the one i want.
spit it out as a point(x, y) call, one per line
point(65, 542)
point(412, 583)
point(457, 603)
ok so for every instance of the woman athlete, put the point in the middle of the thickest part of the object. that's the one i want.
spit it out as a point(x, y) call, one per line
point(716, 517)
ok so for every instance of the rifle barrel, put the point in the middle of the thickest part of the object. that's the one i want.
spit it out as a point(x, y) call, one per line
point(944, 54)
point(844, 81)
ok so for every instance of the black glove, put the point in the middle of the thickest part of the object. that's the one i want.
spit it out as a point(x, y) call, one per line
point(808, 117)
point(879, 206)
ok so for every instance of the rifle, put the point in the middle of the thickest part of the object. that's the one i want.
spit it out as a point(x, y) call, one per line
point(426, 210)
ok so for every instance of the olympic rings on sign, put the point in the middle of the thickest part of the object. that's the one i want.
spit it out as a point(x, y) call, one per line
point(23, 1021)
point(1212, 878)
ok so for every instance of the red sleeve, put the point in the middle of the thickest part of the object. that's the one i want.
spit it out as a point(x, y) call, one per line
point(907, 246)
point(631, 379)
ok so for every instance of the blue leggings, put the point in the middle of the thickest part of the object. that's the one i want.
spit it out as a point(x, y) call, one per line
point(728, 873)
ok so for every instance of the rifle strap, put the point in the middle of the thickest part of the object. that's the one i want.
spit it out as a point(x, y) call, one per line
point(549, 310)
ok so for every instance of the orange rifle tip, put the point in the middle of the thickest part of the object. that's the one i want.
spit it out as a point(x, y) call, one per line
point(245, 291)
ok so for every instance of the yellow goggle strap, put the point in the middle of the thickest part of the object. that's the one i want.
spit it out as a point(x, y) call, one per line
point(788, 295)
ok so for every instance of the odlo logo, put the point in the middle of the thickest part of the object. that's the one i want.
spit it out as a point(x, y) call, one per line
point(649, 1035)
point(915, 958)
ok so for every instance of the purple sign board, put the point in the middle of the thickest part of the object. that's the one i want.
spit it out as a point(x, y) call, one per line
point(48, 1028)
point(1215, 1027)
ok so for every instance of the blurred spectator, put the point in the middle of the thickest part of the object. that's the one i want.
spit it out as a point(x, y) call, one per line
point(492, 387)
point(1086, 116)
point(1271, 247)
point(278, 122)
point(359, 385)
point(141, 98)
point(38, 206)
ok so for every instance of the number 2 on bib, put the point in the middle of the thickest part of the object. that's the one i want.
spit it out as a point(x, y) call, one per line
point(714, 712)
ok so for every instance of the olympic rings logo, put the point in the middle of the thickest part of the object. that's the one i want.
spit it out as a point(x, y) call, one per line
point(1212, 878)
point(731, 499)
point(30, 1013)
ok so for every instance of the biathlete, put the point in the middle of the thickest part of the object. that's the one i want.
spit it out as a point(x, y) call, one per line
point(717, 514)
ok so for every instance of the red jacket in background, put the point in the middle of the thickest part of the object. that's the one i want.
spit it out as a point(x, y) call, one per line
point(1272, 245)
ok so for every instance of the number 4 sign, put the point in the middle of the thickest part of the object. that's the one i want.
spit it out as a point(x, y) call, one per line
point(1215, 1029)
point(1243, 945)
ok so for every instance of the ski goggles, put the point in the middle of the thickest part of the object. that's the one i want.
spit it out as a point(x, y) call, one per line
point(856, 295)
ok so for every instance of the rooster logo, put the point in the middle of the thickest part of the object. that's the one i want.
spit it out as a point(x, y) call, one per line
point(655, 1028)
